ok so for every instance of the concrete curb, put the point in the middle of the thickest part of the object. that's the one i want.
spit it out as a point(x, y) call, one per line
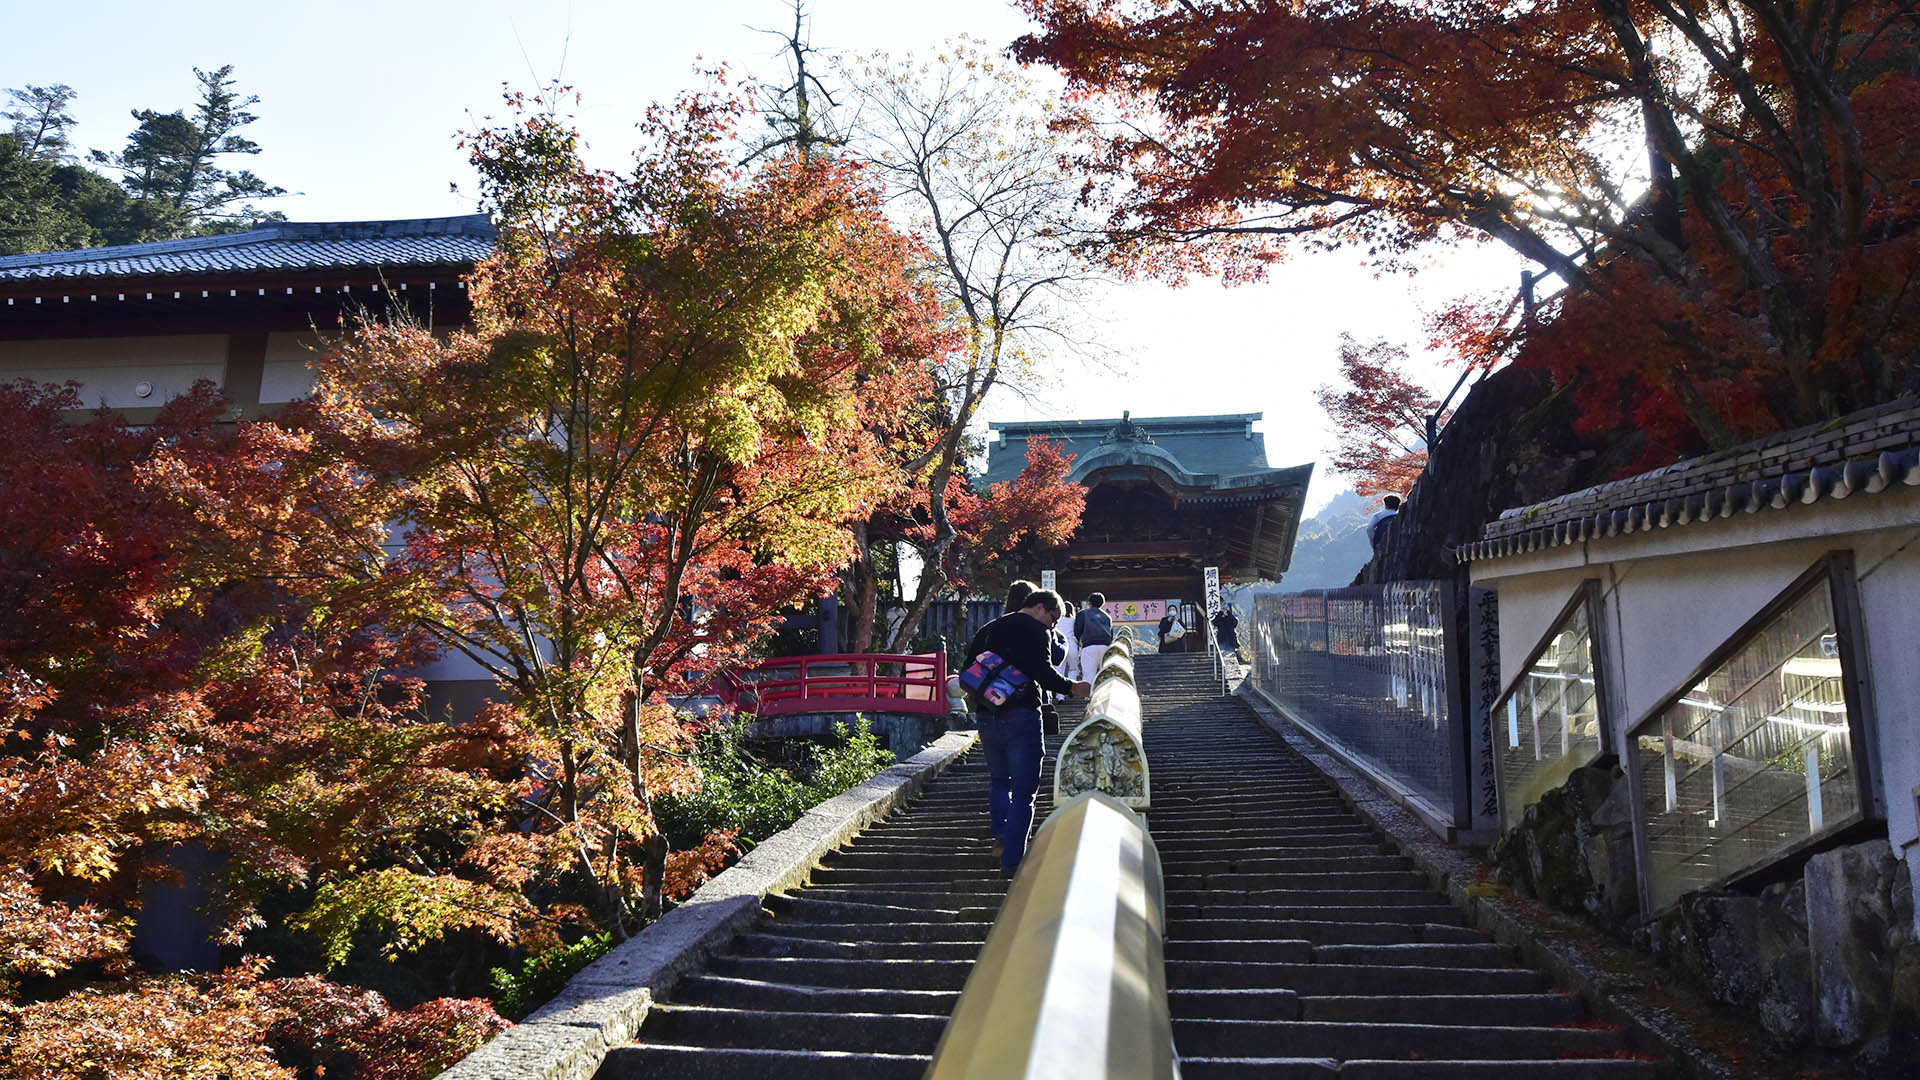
point(604, 1004)
point(1622, 986)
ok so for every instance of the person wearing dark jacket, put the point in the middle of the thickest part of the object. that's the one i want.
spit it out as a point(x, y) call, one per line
point(1010, 734)
point(1094, 629)
point(1226, 632)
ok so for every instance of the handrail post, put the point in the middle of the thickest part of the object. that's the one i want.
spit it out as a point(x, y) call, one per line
point(1107, 751)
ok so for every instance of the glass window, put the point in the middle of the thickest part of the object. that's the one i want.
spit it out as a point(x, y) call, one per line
point(1754, 757)
point(1547, 724)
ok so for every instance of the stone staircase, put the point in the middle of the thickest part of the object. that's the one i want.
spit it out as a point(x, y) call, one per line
point(1299, 944)
point(855, 975)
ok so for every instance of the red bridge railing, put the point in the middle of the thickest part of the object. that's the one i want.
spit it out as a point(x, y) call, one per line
point(841, 682)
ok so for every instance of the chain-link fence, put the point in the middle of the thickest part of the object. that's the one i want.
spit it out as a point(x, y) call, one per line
point(1366, 669)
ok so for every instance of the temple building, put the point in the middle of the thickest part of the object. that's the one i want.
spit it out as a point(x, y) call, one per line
point(138, 324)
point(1167, 496)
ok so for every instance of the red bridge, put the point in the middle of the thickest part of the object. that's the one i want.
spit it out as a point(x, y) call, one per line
point(839, 682)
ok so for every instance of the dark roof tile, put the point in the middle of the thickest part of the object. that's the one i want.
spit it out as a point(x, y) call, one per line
point(453, 242)
point(1865, 453)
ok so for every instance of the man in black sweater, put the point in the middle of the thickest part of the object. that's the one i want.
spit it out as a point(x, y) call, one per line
point(1010, 734)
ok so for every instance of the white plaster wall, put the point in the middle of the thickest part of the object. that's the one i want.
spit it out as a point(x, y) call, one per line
point(285, 376)
point(1666, 615)
point(110, 369)
point(1527, 607)
point(1890, 606)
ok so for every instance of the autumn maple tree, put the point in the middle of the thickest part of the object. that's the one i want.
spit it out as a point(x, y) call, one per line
point(1724, 189)
point(648, 444)
point(1383, 419)
point(1010, 525)
point(195, 657)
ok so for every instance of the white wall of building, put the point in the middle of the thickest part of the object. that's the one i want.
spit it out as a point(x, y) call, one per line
point(113, 370)
point(285, 375)
point(1670, 597)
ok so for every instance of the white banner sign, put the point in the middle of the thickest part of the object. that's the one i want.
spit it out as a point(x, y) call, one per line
point(1213, 591)
point(1047, 578)
point(1136, 610)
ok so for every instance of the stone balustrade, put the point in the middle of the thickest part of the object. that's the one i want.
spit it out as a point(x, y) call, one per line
point(1072, 980)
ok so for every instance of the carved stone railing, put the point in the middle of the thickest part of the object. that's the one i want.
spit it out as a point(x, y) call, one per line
point(1107, 752)
point(1072, 981)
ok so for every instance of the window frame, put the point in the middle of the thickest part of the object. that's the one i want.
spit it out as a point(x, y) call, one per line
point(1589, 593)
point(1834, 571)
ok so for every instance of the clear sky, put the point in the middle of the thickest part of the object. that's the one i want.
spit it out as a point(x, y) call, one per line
point(359, 103)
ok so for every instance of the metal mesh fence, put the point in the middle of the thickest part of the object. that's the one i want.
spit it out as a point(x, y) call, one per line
point(1366, 668)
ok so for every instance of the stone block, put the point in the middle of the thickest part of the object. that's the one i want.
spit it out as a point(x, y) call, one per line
point(1849, 917)
point(534, 1052)
point(1724, 946)
point(1786, 1005)
point(616, 1012)
point(680, 941)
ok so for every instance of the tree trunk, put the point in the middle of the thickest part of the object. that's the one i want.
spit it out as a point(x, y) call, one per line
point(653, 845)
point(866, 590)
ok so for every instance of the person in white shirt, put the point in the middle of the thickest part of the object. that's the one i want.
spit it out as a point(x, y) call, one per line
point(1377, 524)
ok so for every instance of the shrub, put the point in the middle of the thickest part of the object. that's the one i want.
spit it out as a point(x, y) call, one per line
point(760, 791)
point(540, 977)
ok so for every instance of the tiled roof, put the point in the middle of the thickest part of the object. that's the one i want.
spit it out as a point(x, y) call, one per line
point(1220, 450)
point(280, 246)
point(1864, 453)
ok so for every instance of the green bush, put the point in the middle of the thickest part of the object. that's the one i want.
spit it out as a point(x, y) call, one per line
point(763, 789)
point(517, 993)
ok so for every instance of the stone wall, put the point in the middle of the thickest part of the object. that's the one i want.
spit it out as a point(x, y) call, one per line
point(1825, 960)
point(1510, 443)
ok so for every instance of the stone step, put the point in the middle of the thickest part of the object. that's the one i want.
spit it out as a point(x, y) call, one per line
point(786, 997)
point(1301, 1068)
point(1187, 896)
point(1484, 954)
point(870, 931)
point(971, 865)
point(867, 1033)
point(1174, 821)
point(646, 1062)
point(1266, 952)
point(818, 909)
point(1209, 865)
point(1421, 908)
point(1360, 882)
point(1246, 1004)
point(1510, 1010)
point(878, 974)
point(919, 905)
point(1203, 844)
point(1348, 979)
point(822, 948)
point(1314, 1038)
point(1324, 931)
point(859, 876)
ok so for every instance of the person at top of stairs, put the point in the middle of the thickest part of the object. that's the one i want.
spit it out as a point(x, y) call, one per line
point(1010, 733)
point(1093, 627)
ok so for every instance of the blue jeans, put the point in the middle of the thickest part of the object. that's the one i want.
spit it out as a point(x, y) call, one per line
point(1011, 739)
